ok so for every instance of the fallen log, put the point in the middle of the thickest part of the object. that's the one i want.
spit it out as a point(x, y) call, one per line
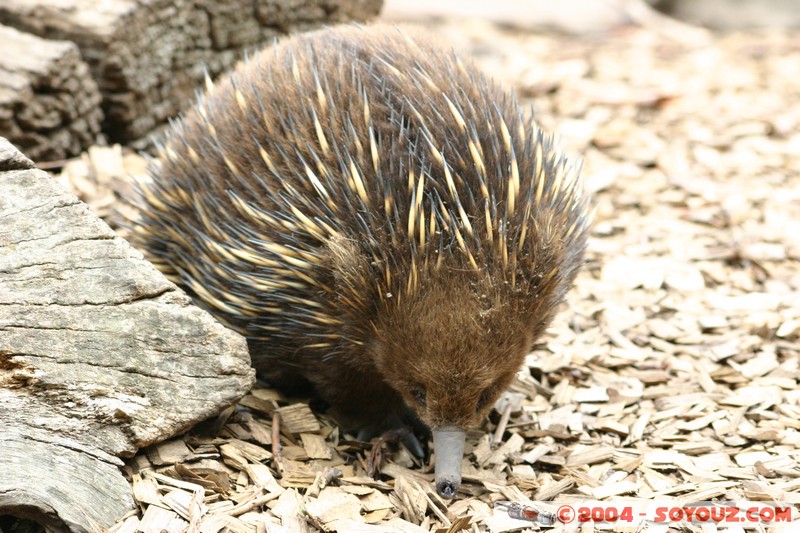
point(99, 356)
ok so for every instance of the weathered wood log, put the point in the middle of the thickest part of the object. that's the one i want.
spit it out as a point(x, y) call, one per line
point(726, 16)
point(49, 102)
point(99, 356)
point(149, 56)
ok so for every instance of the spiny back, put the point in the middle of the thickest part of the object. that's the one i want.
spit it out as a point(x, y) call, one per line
point(357, 143)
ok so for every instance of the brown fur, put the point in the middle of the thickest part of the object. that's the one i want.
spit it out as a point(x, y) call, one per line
point(377, 217)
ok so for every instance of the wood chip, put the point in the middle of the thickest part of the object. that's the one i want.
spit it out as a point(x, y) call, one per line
point(315, 446)
point(298, 418)
point(374, 501)
point(334, 506)
point(262, 477)
point(169, 452)
point(146, 490)
point(414, 502)
point(614, 489)
point(158, 519)
point(188, 505)
point(590, 456)
point(551, 490)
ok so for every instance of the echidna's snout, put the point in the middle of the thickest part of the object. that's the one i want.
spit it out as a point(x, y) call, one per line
point(448, 443)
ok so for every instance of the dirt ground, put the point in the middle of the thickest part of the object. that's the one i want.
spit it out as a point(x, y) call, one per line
point(671, 375)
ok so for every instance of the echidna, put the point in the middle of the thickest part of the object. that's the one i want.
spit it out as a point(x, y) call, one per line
point(382, 222)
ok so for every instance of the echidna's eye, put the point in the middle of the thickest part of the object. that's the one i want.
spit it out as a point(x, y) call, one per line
point(418, 391)
point(485, 398)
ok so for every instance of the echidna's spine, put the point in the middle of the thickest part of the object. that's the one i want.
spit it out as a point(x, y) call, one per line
point(418, 159)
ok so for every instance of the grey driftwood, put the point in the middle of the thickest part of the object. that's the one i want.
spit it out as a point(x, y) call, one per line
point(149, 56)
point(49, 102)
point(99, 356)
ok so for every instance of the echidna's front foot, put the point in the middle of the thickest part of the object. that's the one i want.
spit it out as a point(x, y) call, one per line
point(395, 428)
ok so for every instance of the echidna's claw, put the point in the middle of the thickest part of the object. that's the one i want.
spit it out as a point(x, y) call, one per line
point(412, 443)
point(396, 429)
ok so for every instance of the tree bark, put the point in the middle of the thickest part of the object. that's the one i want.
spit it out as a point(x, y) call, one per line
point(49, 102)
point(99, 356)
point(150, 56)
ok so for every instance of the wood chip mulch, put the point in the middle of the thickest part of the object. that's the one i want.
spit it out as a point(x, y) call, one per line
point(672, 373)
